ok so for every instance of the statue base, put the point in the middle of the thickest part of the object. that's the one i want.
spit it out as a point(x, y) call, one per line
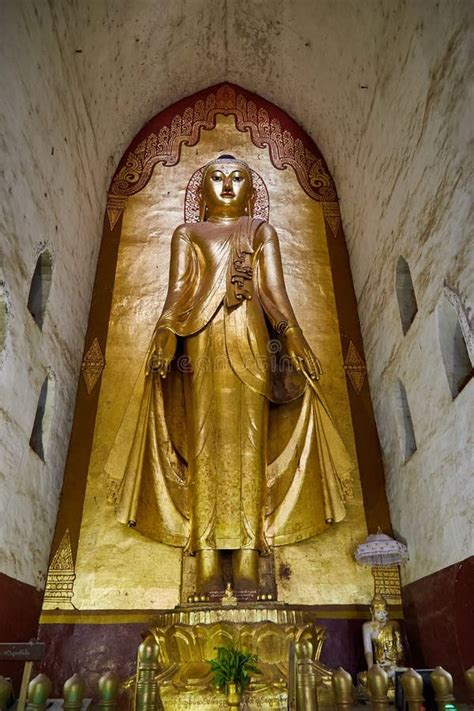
point(188, 635)
point(214, 700)
point(266, 576)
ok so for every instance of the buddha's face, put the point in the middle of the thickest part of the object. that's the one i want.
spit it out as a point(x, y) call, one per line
point(380, 614)
point(226, 189)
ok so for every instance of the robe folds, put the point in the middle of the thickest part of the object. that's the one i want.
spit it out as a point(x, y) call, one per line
point(234, 448)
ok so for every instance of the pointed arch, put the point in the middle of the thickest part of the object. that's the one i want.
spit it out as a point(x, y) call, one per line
point(158, 146)
point(456, 341)
point(407, 304)
point(405, 422)
point(43, 418)
point(40, 287)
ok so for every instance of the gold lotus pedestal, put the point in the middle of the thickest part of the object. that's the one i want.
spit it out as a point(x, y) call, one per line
point(187, 637)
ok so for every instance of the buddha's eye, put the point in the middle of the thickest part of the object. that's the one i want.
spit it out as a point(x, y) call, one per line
point(238, 178)
point(216, 178)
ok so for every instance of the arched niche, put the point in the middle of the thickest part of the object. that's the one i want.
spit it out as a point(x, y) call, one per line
point(146, 200)
point(453, 328)
point(405, 294)
point(43, 417)
point(40, 287)
point(405, 422)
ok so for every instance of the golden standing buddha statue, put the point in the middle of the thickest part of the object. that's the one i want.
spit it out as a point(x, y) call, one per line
point(215, 462)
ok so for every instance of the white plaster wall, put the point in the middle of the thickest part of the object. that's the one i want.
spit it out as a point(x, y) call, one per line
point(74, 90)
point(386, 90)
point(413, 198)
point(383, 88)
point(49, 198)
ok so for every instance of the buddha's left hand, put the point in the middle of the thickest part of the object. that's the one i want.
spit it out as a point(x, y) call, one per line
point(301, 354)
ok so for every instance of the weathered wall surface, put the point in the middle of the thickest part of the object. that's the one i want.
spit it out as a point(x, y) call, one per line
point(49, 199)
point(61, 129)
point(409, 194)
point(385, 88)
point(382, 87)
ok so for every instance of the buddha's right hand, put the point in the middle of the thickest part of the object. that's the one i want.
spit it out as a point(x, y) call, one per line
point(163, 353)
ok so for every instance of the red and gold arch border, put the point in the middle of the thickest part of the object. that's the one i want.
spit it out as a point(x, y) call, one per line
point(160, 141)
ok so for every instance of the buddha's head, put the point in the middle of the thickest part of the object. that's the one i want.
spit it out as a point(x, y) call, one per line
point(378, 608)
point(226, 189)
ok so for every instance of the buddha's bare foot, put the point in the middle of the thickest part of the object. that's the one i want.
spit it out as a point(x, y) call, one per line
point(208, 575)
point(245, 570)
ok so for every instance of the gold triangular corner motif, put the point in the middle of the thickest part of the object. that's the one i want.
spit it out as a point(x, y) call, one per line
point(357, 380)
point(62, 559)
point(92, 365)
point(61, 575)
point(113, 215)
point(115, 207)
point(353, 357)
point(355, 368)
point(332, 216)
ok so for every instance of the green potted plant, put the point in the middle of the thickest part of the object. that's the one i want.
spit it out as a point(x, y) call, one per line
point(232, 669)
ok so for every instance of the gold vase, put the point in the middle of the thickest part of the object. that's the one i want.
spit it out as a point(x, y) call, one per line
point(233, 695)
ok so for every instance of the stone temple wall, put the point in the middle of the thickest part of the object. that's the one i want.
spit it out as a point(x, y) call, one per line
point(409, 193)
point(50, 201)
point(383, 88)
point(61, 141)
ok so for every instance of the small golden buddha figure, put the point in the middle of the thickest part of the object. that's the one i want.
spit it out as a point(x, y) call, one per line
point(382, 642)
point(229, 598)
point(209, 469)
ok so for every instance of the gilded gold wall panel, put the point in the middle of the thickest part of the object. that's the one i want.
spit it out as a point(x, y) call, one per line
point(117, 568)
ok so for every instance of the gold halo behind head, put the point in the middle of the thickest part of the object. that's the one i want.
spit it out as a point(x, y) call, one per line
point(259, 204)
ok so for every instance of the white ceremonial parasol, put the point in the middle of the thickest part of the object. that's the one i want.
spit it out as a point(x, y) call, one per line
point(381, 550)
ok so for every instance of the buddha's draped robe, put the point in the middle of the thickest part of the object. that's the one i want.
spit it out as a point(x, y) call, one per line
point(234, 449)
point(388, 645)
